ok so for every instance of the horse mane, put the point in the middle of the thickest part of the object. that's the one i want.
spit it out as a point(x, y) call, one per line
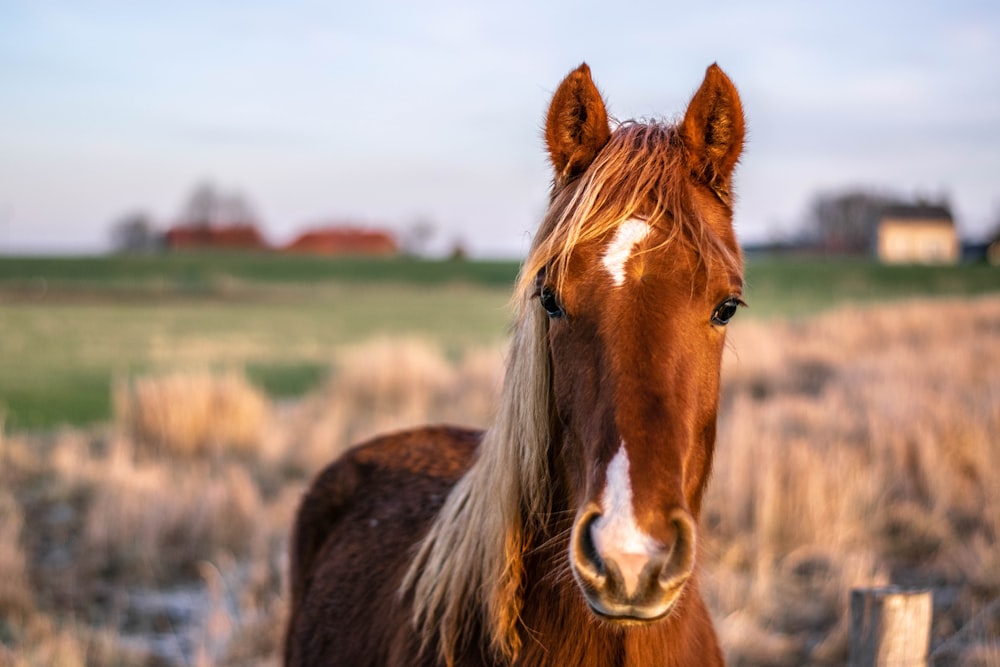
point(468, 571)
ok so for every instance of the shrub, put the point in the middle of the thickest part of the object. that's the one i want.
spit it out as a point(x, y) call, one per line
point(152, 522)
point(192, 413)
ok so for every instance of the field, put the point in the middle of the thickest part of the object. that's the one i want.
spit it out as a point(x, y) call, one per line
point(70, 327)
point(164, 414)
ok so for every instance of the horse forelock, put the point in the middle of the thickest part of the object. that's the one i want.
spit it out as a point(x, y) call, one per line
point(468, 571)
point(641, 172)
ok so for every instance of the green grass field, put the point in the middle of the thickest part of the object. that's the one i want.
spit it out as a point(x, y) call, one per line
point(795, 287)
point(210, 272)
point(70, 326)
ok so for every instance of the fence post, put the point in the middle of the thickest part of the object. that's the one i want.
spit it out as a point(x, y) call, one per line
point(890, 626)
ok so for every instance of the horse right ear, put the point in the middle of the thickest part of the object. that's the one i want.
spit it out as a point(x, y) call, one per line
point(576, 128)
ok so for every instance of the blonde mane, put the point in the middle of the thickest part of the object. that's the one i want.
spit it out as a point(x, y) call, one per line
point(469, 569)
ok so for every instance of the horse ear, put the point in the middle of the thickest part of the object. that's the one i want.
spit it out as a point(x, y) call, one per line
point(713, 130)
point(576, 128)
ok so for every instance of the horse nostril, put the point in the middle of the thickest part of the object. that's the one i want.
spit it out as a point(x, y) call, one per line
point(588, 548)
point(585, 553)
point(679, 560)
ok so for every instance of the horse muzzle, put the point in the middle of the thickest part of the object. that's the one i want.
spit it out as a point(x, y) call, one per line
point(627, 576)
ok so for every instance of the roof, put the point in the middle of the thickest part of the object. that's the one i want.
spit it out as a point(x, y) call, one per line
point(918, 213)
point(346, 240)
point(239, 236)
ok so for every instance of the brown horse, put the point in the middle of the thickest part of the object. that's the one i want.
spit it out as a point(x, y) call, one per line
point(567, 533)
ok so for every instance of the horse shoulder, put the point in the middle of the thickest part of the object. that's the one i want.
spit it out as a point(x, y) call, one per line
point(355, 531)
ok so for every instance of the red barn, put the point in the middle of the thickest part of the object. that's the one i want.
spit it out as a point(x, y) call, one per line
point(216, 237)
point(344, 240)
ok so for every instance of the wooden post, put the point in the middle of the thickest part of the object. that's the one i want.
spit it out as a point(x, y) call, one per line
point(890, 627)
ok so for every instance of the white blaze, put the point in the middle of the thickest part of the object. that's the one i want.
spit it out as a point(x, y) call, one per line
point(618, 252)
point(616, 533)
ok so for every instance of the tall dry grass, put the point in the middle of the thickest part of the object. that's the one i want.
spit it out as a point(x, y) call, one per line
point(385, 385)
point(856, 447)
point(16, 600)
point(162, 538)
point(191, 413)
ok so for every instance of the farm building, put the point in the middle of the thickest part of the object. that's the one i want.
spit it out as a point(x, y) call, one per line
point(215, 237)
point(993, 251)
point(917, 235)
point(344, 240)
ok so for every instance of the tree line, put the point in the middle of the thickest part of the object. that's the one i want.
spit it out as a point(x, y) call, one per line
point(843, 221)
point(847, 221)
point(209, 207)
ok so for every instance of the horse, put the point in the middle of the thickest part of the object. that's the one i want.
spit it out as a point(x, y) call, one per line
point(567, 532)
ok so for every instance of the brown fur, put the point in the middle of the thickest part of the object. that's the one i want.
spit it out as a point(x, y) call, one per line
point(450, 547)
point(355, 518)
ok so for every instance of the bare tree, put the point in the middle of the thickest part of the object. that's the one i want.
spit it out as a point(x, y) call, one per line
point(235, 209)
point(209, 207)
point(417, 237)
point(846, 222)
point(135, 232)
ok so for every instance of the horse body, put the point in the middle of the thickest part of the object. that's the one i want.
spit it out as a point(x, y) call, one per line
point(567, 533)
point(354, 535)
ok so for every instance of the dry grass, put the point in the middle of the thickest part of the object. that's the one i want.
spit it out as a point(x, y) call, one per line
point(191, 413)
point(153, 523)
point(16, 600)
point(162, 539)
point(385, 385)
point(855, 448)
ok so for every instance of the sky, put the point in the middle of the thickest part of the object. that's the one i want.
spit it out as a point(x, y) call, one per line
point(393, 114)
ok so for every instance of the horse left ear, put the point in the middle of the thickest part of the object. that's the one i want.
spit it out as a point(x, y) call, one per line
point(576, 128)
point(713, 131)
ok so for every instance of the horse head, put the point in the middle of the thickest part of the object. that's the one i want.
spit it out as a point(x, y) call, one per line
point(638, 271)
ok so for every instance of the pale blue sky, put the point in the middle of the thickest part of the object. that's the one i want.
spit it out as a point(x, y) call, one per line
point(391, 112)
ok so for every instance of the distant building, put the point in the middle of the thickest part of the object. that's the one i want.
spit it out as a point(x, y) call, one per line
point(345, 240)
point(215, 237)
point(993, 251)
point(917, 235)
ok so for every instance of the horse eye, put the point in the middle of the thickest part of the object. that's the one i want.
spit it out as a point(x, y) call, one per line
point(725, 311)
point(550, 302)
